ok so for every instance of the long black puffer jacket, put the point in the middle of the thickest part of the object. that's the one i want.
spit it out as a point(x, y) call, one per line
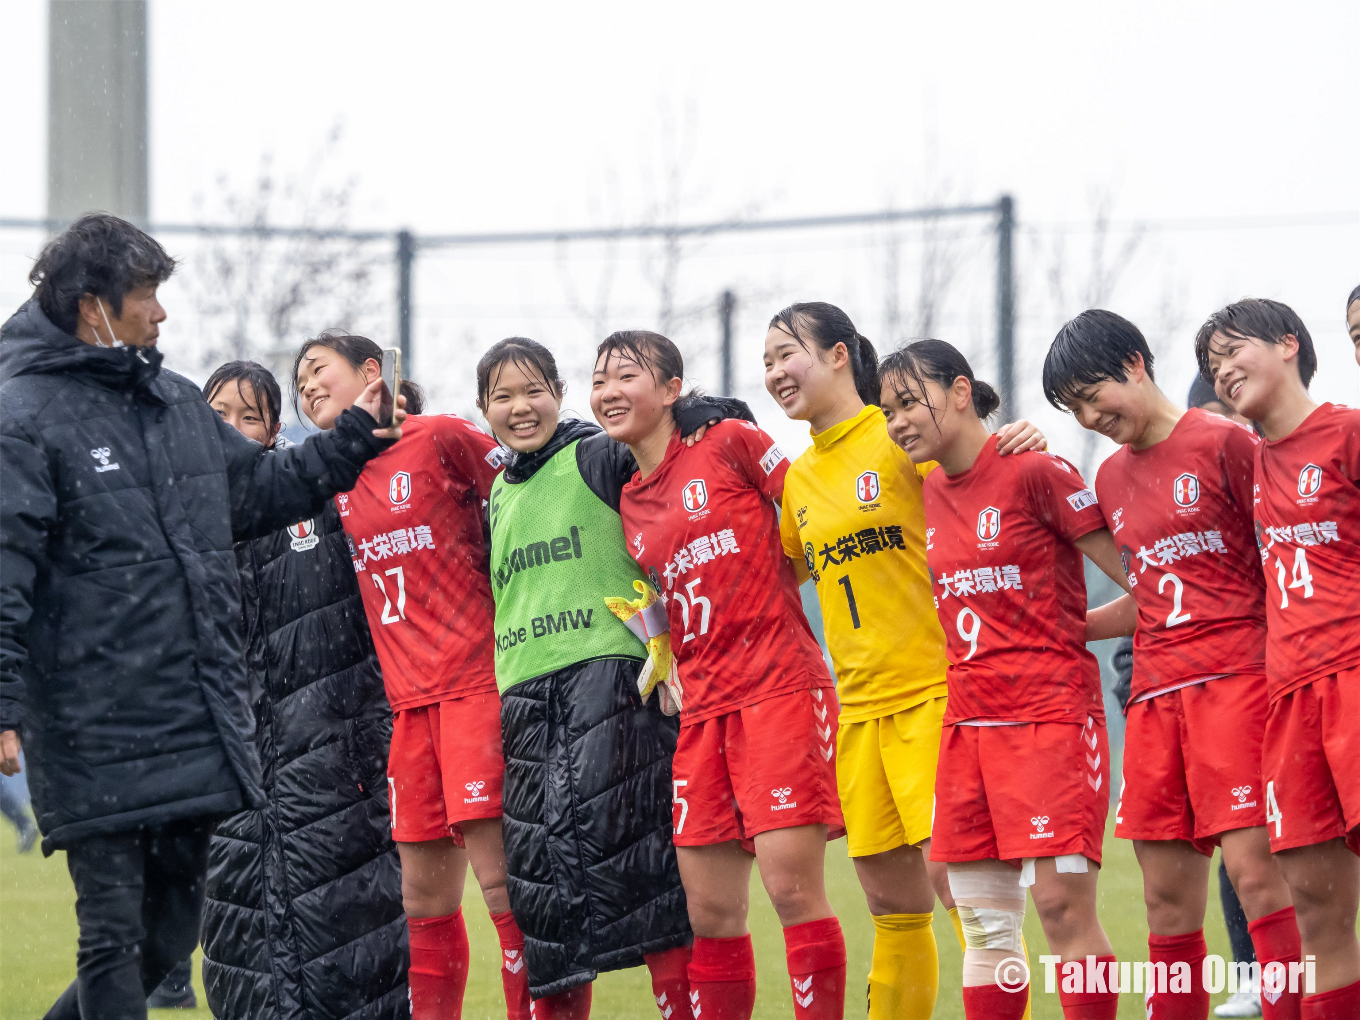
point(303, 919)
point(592, 874)
point(120, 605)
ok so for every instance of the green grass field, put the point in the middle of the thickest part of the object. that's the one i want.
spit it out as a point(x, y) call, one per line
point(38, 943)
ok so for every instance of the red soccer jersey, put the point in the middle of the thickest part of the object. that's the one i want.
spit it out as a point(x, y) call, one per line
point(414, 523)
point(1009, 588)
point(1180, 513)
point(703, 527)
point(1308, 532)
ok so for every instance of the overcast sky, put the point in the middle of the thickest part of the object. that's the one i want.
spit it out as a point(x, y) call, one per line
point(1228, 130)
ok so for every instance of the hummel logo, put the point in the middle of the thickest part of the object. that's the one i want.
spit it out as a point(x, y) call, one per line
point(802, 991)
point(666, 1011)
point(476, 790)
point(512, 961)
point(782, 794)
point(695, 1008)
point(102, 454)
point(1240, 792)
point(1039, 822)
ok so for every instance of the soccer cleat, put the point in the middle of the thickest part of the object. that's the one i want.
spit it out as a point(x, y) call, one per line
point(1244, 1003)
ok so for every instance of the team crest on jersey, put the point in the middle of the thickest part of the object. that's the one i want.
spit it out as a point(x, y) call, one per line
point(399, 489)
point(866, 487)
point(1310, 480)
point(989, 524)
point(303, 536)
point(695, 495)
point(1185, 489)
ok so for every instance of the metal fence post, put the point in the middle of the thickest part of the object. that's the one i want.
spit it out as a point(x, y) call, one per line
point(406, 256)
point(1005, 306)
point(726, 305)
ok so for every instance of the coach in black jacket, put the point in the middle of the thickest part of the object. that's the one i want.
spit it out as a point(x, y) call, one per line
point(120, 629)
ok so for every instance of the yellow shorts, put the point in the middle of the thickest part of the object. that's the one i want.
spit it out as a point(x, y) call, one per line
point(885, 774)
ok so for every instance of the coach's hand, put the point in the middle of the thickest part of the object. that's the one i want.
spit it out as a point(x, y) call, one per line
point(9, 753)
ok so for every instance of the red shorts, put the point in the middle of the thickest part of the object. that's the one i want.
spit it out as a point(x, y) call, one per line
point(445, 767)
point(1192, 763)
point(1027, 790)
point(1311, 761)
point(771, 765)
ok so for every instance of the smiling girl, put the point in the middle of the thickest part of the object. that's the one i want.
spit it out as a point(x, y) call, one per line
point(414, 523)
point(753, 767)
point(592, 872)
point(853, 521)
point(1005, 539)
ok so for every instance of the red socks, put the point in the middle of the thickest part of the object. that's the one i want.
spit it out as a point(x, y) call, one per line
point(722, 979)
point(992, 1002)
point(670, 981)
point(439, 966)
point(514, 972)
point(1172, 949)
point(573, 1004)
point(1276, 938)
point(1094, 1005)
point(1339, 1004)
point(816, 954)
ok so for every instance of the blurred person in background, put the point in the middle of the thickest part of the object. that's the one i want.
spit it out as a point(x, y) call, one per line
point(121, 661)
point(14, 805)
point(303, 918)
point(1353, 321)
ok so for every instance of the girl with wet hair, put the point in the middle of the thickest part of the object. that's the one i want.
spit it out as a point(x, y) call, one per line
point(853, 521)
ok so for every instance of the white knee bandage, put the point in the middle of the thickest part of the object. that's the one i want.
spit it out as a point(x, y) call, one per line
point(1064, 864)
point(991, 904)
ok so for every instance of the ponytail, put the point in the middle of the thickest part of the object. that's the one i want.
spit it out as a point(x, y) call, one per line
point(825, 325)
point(941, 363)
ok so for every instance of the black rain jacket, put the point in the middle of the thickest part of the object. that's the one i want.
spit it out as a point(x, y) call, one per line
point(303, 919)
point(121, 493)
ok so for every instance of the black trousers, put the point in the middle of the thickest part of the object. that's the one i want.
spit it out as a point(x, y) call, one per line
point(139, 900)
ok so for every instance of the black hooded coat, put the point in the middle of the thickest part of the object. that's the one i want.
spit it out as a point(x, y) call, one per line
point(303, 919)
point(121, 659)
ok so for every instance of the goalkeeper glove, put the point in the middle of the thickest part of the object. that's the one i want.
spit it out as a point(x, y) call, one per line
point(646, 617)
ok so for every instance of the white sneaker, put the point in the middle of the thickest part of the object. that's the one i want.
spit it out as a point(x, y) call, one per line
point(1244, 1003)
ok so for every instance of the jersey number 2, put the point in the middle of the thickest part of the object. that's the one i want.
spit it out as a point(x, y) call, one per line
point(387, 615)
point(1178, 587)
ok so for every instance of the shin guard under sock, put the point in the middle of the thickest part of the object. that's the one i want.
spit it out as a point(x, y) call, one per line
point(1095, 1005)
point(670, 981)
point(514, 971)
point(722, 979)
point(992, 1002)
point(816, 957)
point(904, 974)
point(1189, 949)
point(573, 1004)
point(1339, 1003)
point(1275, 937)
point(439, 966)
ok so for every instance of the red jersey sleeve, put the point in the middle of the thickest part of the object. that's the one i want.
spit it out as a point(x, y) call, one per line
point(1238, 458)
point(468, 451)
point(1060, 498)
point(755, 454)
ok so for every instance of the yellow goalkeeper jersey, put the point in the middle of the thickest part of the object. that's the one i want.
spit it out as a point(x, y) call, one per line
point(853, 511)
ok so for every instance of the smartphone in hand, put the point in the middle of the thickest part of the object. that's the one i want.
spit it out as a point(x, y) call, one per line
point(391, 377)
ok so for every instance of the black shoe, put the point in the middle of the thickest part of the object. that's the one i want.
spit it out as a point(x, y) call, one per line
point(172, 998)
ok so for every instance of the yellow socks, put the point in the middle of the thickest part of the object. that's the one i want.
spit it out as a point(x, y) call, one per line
point(904, 977)
point(958, 933)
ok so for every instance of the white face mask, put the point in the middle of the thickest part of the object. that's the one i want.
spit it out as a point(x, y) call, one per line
point(116, 342)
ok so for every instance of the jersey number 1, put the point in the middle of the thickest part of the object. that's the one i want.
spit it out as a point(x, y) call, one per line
point(844, 582)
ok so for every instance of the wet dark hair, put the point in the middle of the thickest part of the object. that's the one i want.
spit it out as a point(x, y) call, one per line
point(1355, 296)
point(1095, 346)
point(1202, 393)
point(826, 326)
point(261, 381)
point(531, 356)
point(356, 350)
point(941, 363)
point(98, 254)
point(1260, 319)
point(654, 352)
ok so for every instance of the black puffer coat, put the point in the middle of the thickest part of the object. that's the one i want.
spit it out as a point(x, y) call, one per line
point(121, 493)
point(303, 919)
